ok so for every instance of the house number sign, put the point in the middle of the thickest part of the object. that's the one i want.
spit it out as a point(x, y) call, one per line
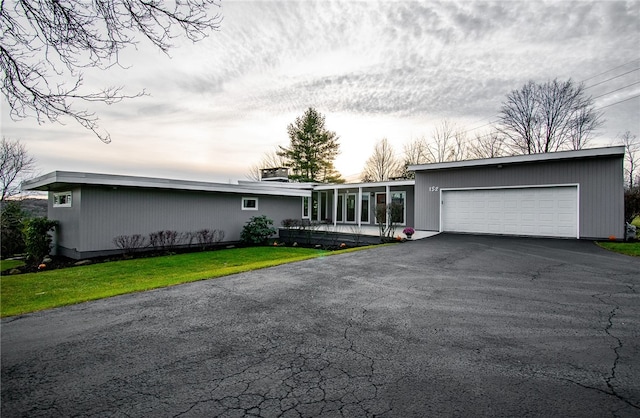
point(434, 188)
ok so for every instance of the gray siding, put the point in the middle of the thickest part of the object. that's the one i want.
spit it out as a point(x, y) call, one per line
point(108, 212)
point(600, 182)
point(67, 234)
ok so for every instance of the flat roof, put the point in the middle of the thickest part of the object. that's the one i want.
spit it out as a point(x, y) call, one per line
point(61, 180)
point(340, 186)
point(529, 158)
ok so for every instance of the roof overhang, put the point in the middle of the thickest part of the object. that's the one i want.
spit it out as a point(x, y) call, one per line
point(392, 183)
point(63, 180)
point(617, 151)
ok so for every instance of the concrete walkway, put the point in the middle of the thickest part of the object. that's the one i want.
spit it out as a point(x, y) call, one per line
point(455, 326)
point(372, 230)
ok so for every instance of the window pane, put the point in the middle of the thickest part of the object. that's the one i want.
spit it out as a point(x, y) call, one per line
point(364, 217)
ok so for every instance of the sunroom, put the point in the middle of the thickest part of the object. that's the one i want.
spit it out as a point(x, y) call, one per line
point(357, 203)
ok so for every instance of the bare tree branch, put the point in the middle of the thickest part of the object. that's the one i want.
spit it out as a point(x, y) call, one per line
point(548, 117)
point(48, 40)
point(631, 158)
point(488, 145)
point(383, 164)
point(15, 163)
point(271, 159)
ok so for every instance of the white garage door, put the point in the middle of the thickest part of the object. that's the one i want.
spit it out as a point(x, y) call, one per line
point(538, 211)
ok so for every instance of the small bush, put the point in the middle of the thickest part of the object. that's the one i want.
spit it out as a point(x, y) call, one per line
point(37, 239)
point(257, 231)
point(208, 237)
point(162, 240)
point(291, 223)
point(130, 243)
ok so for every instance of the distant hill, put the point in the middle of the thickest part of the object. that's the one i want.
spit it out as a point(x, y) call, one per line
point(35, 207)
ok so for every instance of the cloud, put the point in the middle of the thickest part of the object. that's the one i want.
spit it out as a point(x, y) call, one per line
point(374, 68)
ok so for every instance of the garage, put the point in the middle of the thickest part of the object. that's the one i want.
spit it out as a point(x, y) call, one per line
point(532, 211)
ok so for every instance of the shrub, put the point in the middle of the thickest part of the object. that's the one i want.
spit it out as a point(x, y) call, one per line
point(257, 230)
point(208, 237)
point(291, 223)
point(391, 213)
point(161, 240)
point(631, 204)
point(130, 243)
point(11, 219)
point(36, 237)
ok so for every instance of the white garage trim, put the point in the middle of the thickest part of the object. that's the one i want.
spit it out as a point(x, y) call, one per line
point(576, 186)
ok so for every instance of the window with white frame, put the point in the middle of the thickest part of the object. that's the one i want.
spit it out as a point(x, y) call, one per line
point(249, 203)
point(306, 207)
point(62, 200)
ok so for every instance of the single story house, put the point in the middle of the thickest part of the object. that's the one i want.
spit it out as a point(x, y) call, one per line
point(570, 194)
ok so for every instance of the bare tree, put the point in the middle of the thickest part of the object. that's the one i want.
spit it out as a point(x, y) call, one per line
point(487, 145)
point(270, 159)
point(548, 117)
point(458, 151)
point(448, 143)
point(15, 164)
point(415, 152)
point(631, 158)
point(383, 164)
point(46, 42)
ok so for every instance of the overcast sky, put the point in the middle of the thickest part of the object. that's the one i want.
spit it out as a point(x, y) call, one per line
point(375, 69)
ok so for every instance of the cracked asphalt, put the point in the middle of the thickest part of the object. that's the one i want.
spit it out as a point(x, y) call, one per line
point(454, 325)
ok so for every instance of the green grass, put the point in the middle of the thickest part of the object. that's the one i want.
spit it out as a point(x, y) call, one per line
point(628, 248)
point(10, 264)
point(48, 289)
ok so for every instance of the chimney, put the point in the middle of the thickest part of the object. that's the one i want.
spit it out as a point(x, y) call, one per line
point(279, 174)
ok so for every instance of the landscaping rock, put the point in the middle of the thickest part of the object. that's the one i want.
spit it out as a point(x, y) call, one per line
point(46, 260)
point(15, 271)
point(82, 263)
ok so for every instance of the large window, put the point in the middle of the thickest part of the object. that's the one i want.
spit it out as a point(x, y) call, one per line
point(364, 216)
point(62, 200)
point(306, 207)
point(249, 203)
point(398, 206)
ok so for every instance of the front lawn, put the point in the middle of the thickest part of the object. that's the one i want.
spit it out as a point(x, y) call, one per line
point(628, 248)
point(10, 264)
point(48, 289)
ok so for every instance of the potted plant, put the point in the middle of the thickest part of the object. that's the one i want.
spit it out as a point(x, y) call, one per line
point(408, 231)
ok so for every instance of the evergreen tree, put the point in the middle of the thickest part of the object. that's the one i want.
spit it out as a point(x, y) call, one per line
point(312, 150)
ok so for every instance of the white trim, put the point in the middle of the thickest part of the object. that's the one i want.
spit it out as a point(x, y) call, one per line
point(368, 199)
point(527, 186)
point(530, 186)
point(578, 211)
point(542, 157)
point(394, 183)
point(61, 180)
point(68, 202)
point(247, 199)
point(309, 201)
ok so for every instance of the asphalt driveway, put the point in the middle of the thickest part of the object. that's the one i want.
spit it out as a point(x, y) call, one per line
point(453, 325)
